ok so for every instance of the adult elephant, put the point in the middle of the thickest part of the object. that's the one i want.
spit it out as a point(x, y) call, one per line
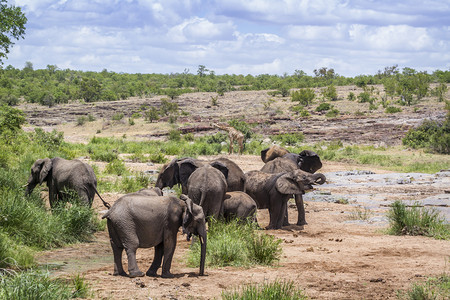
point(205, 184)
point(239, 205)
point(273, 152)
point(170, 173)
point(307, 161)
point(62, 176)
point(273, 191)
point(141, 221)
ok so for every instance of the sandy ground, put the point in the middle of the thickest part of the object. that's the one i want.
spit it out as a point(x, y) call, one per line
point(330, 258)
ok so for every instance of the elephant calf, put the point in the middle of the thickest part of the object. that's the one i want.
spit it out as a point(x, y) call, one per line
point(239, 205)
point(141, 221)
point(272, 191)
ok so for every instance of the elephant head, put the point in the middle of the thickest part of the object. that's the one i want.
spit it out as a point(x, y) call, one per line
point(298, 181)
point(309, 161)
point(194, 223)
point(272, 153)
point(169, 175)
point(39, 173)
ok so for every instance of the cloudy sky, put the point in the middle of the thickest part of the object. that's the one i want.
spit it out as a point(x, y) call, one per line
point(234, 36)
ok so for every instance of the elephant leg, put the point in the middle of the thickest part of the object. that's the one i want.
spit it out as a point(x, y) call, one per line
point(159, 252)
point(301, 210)
point(274, 212)
point(282, 215)
point(133, 269)
point(117, 251)
point(170, 242)
point(286, 217)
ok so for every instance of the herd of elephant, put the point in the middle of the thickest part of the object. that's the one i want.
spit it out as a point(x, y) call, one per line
point(217, 188)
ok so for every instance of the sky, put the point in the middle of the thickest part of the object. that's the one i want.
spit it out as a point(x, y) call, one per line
point(354, 37)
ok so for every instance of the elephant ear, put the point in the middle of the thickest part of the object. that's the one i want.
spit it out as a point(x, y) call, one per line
point(286, 184)
point(263, 155)
point(168, 175)
point(187, 167)
point(309, 161)
point(221, 167)
point(46, 166)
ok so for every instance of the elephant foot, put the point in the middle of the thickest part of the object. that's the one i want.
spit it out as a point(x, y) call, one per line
point(301, 223)
point(167, 275)
point(120, 274)
point(151, 273)
point(286, 224)
point(136, 274)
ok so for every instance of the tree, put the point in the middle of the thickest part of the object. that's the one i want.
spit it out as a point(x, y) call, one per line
point(304, 96)
point(12, 26)
point(202, 71)
point(90, 89)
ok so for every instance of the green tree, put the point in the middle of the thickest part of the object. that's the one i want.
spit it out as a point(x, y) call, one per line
point(12, 26)
point(90, 89)
point(11, 120)
point(202, 71)
point(330, 93)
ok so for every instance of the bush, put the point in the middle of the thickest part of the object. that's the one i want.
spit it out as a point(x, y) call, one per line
point(234, 244)
point(303, 96)
point(81, 120)
point(392, 109)
point(116, 167)
point(417, 221)
point(351, 96)
point(364, 97)
point(323, 106)
point(117, 116)
point(432, 135)
point(330, 93)
point(289, 138)
point(279, 290)
point(333, 112)
point(174, 135)
point(433, 288)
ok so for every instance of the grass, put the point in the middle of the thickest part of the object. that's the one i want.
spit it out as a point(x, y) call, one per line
point(234, 244)
point(437, 288)
point(361, 213)
point(417, 220)
point(277, 290)
point(37, 285)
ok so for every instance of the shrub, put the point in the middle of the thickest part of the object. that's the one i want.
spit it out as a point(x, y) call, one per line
point(81, 120)
point(364, 97)
point(417, 221)
point(351, 96)
point(303, 96)
point(134, 183)
point(280, 290)
point(432, 135)
point(151, 115)
point(116, 167)
point(330, 93)
point(333, 112)
point(289, 138)
point(234, 244)
point(117, 116)
point(392, 109)
point(174, 135)
point(323, 106)
point(433, 288)
point(168, 107)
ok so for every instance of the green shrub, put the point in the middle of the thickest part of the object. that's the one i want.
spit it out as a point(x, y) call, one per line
point(303, 96)
point(364, 97)
point(131, 121)
point(117, 116)
point(103, 155)
point(116, 167)
point(243, 127)
point(289, 138)
point(234, 244)
point(174, 135)
point(351, 96)
point(134, 183)
point(417, 221)
point(151, 115)
point(323, 106)
point(432, 135)
point(299, 109)
point(392, 109)
point(432, 288)
point(189, 137)
point(330, 93)
point(90, 118)
point(333, 112)
point(158, 158)
point(277, 290)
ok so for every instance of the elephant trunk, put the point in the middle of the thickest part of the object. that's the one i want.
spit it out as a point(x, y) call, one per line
point(319, 178)
point(202, 238)
point(30, 186)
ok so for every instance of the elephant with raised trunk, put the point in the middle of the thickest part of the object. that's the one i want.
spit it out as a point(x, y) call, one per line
point(307, 161)
point(273, 191)
point(170, 173)
point(141, 221)
point(62, 176)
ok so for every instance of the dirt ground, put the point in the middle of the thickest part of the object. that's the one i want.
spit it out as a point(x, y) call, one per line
point(330, 258)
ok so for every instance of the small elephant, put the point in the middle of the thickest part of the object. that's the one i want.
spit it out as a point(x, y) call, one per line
point(140, 221)
point(150, 191)
point(206, 185)
point(239, 205)
point(272, 191)
point(62, 175)
point(170, 173)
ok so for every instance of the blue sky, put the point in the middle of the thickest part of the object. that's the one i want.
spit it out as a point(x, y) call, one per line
point(234, 36)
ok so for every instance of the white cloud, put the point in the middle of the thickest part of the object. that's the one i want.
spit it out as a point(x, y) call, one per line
point(200, 29)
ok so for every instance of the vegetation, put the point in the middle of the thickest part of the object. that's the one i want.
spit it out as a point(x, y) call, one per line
point(433, 288)
point(277, 290)
point(12, 26)
point(303, 96)
point(417, 220)
point(235, 244)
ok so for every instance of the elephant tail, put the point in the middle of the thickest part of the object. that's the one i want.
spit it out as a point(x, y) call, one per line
point(106, 204)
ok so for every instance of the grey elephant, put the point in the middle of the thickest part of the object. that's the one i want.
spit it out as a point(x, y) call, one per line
point(272, 153)
point(205, 184)
point(307, 161)
point(63, 175)
point(239, 205)
point(155, 191)
point(170, 173)
point(273, 191)
point(140, 221)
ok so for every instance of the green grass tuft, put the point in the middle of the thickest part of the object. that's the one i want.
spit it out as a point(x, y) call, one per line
point(434, 288)
point(277, 290)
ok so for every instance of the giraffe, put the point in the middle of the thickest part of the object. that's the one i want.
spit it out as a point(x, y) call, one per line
point(233, 135)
